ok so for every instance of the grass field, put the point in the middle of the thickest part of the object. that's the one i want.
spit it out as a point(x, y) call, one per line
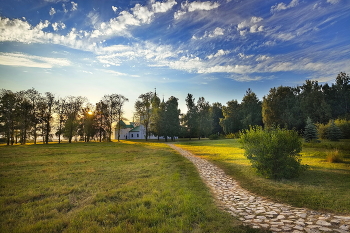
point(325, 186)
point(105, 187)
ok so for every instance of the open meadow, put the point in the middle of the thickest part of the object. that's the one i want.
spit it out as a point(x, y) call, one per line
point(324, 187)
point(105, 187)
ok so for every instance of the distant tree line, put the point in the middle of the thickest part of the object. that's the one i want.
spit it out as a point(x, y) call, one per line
point(30, 115)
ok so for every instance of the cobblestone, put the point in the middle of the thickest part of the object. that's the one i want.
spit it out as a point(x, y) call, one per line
point(257, 211)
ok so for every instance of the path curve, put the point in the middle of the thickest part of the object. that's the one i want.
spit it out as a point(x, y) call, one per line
point(259, 212)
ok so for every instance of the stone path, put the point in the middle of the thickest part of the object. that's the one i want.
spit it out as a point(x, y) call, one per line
point(259, 212)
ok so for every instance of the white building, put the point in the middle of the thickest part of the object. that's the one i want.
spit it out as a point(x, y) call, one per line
point(132, 131)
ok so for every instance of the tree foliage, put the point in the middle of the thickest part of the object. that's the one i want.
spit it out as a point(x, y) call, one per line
point(273, 152)
point(310, 132)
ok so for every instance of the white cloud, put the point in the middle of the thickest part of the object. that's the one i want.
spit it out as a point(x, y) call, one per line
point(251, 26)
point(205, 6)
point(246, 78)
point(195, 6)
point(19, 59)
point(56, 26)
point(161, 7)
point(74, 6)
point(52, 11)
point(219, 53)
point(282, 6)
point(243, 56)
point(212, 34)
point(239, 69)
point(119, 73)
point(333, 1)
point(262, 58)
point(114, 8)
point(64, 8)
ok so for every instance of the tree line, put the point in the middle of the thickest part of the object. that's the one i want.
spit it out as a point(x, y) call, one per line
point(29, 114)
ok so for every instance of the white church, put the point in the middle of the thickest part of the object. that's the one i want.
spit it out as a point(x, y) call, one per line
point(131, 131)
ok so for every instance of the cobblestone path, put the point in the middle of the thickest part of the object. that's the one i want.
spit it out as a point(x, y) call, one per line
point(259, 212)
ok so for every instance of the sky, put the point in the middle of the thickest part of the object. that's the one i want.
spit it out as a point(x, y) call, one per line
point(211, 49)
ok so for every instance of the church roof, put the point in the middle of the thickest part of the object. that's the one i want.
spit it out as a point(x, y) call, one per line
point(137, 129)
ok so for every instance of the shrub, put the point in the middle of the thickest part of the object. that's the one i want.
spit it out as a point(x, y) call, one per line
point(334, 156)
point(214, 137)
point(232, 135)
point(333, 132)
point(322, 130)
point(310, 132)
point(274, 153)
point(344, 126)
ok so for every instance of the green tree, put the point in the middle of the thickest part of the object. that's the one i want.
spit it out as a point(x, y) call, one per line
point(204, 118)
point(156, 116)
point(310, 132)
point(172, 121)
point(281, 107)
point(250, 110)
point(216, 115)
point(333, 132)
point(313, 103)
point(8, 114)
point(119, 108)
point(143, 110)
point(59, 109)
point(232, 121)
point(273, 152)
point(191, 117)
point(35, 99)
point(72, 110)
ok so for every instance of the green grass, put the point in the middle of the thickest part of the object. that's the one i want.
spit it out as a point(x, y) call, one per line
point(105, 187)
point(324, 187)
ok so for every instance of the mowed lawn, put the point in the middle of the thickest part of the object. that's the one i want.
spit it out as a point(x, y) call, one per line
point(324, 187)
point(105, 187)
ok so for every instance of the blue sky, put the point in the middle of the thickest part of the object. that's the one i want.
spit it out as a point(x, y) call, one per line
point(215, 49)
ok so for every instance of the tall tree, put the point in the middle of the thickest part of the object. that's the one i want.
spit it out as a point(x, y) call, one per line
point(72, 110)
point(172, 125)
point(313, 103)
point(120, 103)
point(101, 116)
point(232, 121)
point(59, 109)
point(281, 107)
point(143, 110)
point(8, 114)
point(204, 119)
point(216, 115)
point(34, 97)
point(338, 96)
point(156, 116)
point(49, 102)
point(88, 128)
point(191, 117)
point(23, 113)
point(250, 110)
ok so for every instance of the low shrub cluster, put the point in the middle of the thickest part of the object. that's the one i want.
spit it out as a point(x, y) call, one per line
point(214, 137)
point(334, 130)
point(274, 152)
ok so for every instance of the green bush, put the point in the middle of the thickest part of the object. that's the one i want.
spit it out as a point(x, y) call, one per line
point(214, 137)
point(310, 132)
point(232, 135)
point(273, 152)
point(333, 132)
point(344, 126)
